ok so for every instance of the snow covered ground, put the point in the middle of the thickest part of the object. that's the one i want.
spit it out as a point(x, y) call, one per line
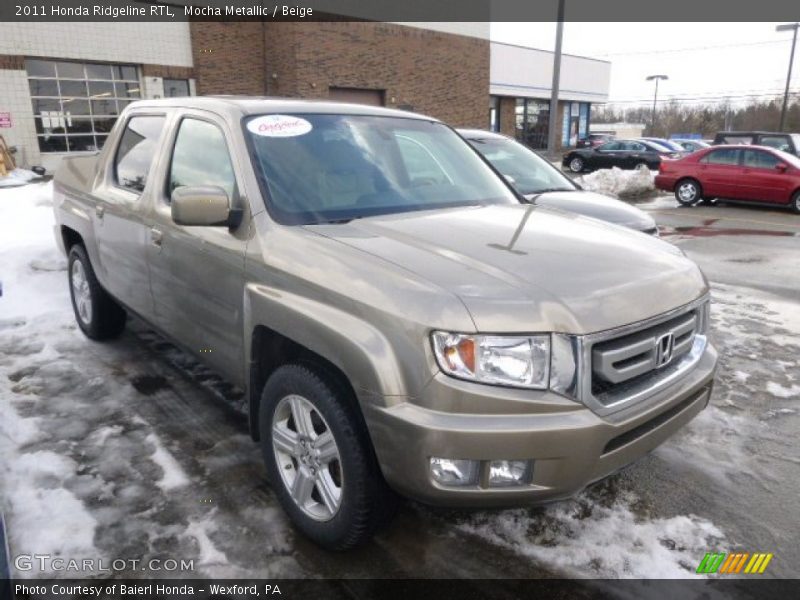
point(621, 183)
point(132, 450)
point(17, 177)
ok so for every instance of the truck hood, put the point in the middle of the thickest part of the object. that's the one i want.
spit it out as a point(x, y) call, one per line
point(597, 206)
point(529, 268)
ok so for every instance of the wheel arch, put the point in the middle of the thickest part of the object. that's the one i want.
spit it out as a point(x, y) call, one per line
point(269, 350)
point(282, 328)
point(680, 180)
point(70, 237)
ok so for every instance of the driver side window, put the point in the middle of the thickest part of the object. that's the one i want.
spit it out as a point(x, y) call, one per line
point(201, 157)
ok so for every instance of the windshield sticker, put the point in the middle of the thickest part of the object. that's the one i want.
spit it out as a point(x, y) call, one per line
point(279, 126)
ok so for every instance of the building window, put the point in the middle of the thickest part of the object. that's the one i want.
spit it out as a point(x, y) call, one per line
point(174, 88)
point(576, 123)
point(75, 104)
point(532, 122)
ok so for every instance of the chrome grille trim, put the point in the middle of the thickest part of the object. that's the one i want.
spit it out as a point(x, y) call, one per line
point(686, 355)
point(622, 359)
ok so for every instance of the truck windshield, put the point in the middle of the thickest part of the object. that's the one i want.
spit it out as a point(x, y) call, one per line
point(321, 168)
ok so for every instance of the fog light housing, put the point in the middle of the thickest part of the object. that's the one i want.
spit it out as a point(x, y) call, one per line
point(453, 472)
point(504, 473)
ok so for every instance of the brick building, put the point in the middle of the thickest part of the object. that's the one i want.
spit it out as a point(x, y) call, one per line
point(62, 85)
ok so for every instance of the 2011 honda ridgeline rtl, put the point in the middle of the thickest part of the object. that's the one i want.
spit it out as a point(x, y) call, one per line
point(400, 317)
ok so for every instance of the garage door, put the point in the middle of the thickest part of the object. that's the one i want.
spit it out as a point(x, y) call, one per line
point(357, 95)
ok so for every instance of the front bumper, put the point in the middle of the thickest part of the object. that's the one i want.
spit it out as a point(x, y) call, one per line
point(570, 445)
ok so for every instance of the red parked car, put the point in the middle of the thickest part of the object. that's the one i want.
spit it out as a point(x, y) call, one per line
point(756, 174)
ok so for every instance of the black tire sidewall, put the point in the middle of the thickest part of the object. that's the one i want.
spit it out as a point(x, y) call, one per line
point(795, 206)
point(351, 524)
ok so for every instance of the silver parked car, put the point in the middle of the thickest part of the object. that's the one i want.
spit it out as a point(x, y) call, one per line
point(400, 319)
point(544, 185)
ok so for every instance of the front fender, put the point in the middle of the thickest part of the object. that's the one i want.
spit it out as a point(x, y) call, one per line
point(356, 347)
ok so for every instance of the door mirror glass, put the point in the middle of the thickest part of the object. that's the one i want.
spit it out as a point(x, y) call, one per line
point(201, 205)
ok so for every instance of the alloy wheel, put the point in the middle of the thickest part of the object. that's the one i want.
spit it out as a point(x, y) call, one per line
point(81, 292)
point(576, 165)
point(687, 192)
point(307, 457)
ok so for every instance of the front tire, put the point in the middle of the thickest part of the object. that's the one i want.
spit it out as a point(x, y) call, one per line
point(98, 314)
point(319, 458)
point(576, 164)
point(688, 192)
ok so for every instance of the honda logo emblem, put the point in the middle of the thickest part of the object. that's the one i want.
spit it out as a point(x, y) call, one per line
point(665, 345)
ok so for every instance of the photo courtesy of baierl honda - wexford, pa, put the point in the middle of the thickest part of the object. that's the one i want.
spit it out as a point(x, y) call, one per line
point(404, 321)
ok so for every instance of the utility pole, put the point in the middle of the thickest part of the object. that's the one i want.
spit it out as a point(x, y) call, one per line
point(552, 127)
point(788, 27)
point(657, 78)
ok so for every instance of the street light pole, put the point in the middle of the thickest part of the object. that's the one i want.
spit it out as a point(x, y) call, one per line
point(552, 126)
point(788, 27)
point(657, 78)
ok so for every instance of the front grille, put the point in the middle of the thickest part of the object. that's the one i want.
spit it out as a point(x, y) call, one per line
point(635, 360)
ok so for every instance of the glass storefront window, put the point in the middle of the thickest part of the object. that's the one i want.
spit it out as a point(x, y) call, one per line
point(532, 122)
point(75, 104)
point(575, 125)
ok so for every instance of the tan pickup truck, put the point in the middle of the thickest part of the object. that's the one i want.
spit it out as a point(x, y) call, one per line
point(402, 320)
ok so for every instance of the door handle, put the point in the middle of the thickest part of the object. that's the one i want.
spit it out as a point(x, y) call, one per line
point(156, 235)
point(100, 211)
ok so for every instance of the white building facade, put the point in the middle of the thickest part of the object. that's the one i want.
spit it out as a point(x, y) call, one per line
point(520, 85)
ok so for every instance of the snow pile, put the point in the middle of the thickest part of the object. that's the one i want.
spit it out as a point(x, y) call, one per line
point(591, 537)
point(619, 182)
point(18, 177)
point(42, 514)
point(27, 247)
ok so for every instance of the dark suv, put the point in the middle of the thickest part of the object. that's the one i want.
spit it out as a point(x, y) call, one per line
point(788, 142)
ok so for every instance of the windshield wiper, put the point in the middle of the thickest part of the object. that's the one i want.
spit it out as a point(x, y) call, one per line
point(552, 189)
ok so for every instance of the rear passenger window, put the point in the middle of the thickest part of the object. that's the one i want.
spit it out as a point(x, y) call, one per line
point(727, 156)
point(758, 159)
point(136, 150)
point(776, 141)
point(201, 157)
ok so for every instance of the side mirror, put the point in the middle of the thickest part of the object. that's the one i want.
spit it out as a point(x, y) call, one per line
point(781, 167)
point(201, 205)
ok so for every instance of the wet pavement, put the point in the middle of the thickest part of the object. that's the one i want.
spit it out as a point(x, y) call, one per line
point(149, 450)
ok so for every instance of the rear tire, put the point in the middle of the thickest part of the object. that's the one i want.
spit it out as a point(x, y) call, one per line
point(320, 461)
point(576, 164)
point(688, 191)
point(98, 315)
point(796, 202)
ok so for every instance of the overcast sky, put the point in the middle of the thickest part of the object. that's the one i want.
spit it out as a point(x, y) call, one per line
point(701, 59)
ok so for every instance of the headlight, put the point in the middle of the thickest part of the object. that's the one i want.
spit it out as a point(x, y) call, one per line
point(519, 361)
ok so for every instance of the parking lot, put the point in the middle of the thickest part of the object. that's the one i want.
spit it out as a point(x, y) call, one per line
point(137, 452)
